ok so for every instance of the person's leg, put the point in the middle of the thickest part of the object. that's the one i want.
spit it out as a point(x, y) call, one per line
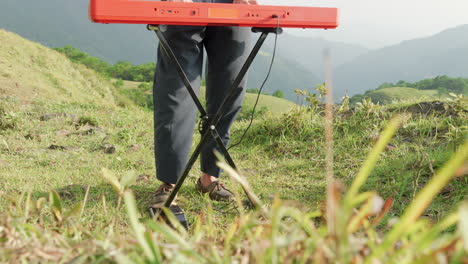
point(227, 50)
point(174, 109)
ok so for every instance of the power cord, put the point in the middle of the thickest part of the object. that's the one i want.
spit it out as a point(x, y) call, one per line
point(262, 86)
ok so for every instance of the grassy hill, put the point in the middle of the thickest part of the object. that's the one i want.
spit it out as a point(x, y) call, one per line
point(30, 71)
point(395, 94)
point(272, 104)
point(57, 206)
point(141, 92)
point(440, 87)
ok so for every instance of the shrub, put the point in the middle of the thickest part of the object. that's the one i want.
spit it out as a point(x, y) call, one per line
point(278, 94)
point(8, 120)
point(87, 120)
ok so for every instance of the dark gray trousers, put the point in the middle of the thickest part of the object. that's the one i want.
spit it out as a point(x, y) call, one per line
point(175, 112)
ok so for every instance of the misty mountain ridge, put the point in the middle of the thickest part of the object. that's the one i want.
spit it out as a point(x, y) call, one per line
point(299, 61)
point(445, 53)
point(309, 51)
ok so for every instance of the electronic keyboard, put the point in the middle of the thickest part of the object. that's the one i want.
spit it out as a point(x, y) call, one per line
point(209, 14)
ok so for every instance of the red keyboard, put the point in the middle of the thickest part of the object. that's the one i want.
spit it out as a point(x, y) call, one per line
point(208, 14)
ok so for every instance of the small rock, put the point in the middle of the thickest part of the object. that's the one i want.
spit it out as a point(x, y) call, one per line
point(63, 133)
point(32, 136)
point(71, 191)
point(142, 134)
point(108, 149)
point(140, 163)
point(50, 116)
point(447, 191)
point(74, 149)
point(391, 146)
point(143, 177)
point(90, 130)
point(463, 171)
point(105, 140)
point(134, 148)
point(56, 147)
point(374, 137)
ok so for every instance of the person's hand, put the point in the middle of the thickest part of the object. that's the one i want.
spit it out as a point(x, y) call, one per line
point(246, 2)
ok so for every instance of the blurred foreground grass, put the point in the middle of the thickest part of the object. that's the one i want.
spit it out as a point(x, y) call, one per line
point(64, 146)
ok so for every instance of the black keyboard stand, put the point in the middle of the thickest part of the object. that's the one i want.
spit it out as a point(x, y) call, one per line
point(208, 125)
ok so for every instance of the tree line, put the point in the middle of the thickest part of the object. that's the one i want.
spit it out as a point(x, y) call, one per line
point(123, 70)
point(443, 84)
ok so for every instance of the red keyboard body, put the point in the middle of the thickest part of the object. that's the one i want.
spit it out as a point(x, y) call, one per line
point(208, 14)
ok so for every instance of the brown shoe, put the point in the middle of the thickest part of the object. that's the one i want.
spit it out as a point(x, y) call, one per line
point(216, 191)
point(161, 195)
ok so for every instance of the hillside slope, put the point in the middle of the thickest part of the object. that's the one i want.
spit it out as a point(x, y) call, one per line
point(445, 53)
point(30, 71)
point(39, 21)
point(286, 75)
point(395, 94)
point(308, 51)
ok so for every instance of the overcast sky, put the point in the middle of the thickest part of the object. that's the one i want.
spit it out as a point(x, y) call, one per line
point(377, 23)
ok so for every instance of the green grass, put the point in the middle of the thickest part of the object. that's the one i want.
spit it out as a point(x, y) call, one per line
point(283, 157)
point(273, 104)
point(141, 95)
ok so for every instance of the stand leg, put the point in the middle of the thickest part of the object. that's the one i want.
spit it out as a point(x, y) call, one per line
point(211, 131)
point(187, 170)
point(220, 143)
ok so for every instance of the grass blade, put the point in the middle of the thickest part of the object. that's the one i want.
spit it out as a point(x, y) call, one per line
point(85, 200)
point(244, 184)
point(373, 157)
point(110, 177)
point(463, 224)
point(424, 198)
point(139, 229)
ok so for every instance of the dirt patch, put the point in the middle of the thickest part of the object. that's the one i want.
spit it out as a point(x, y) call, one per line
point(430, 108)
point(71, 191)
point(50, 116)
point(64, 148)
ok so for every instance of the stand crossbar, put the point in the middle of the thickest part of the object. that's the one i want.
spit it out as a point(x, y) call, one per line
point(209, 124)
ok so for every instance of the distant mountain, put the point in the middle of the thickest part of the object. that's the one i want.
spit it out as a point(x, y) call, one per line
point(445, 53)
point(56, 23)
point(308, 51)
point(286, 75)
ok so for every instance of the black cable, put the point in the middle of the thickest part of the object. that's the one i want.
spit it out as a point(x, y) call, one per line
point(261, 87)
